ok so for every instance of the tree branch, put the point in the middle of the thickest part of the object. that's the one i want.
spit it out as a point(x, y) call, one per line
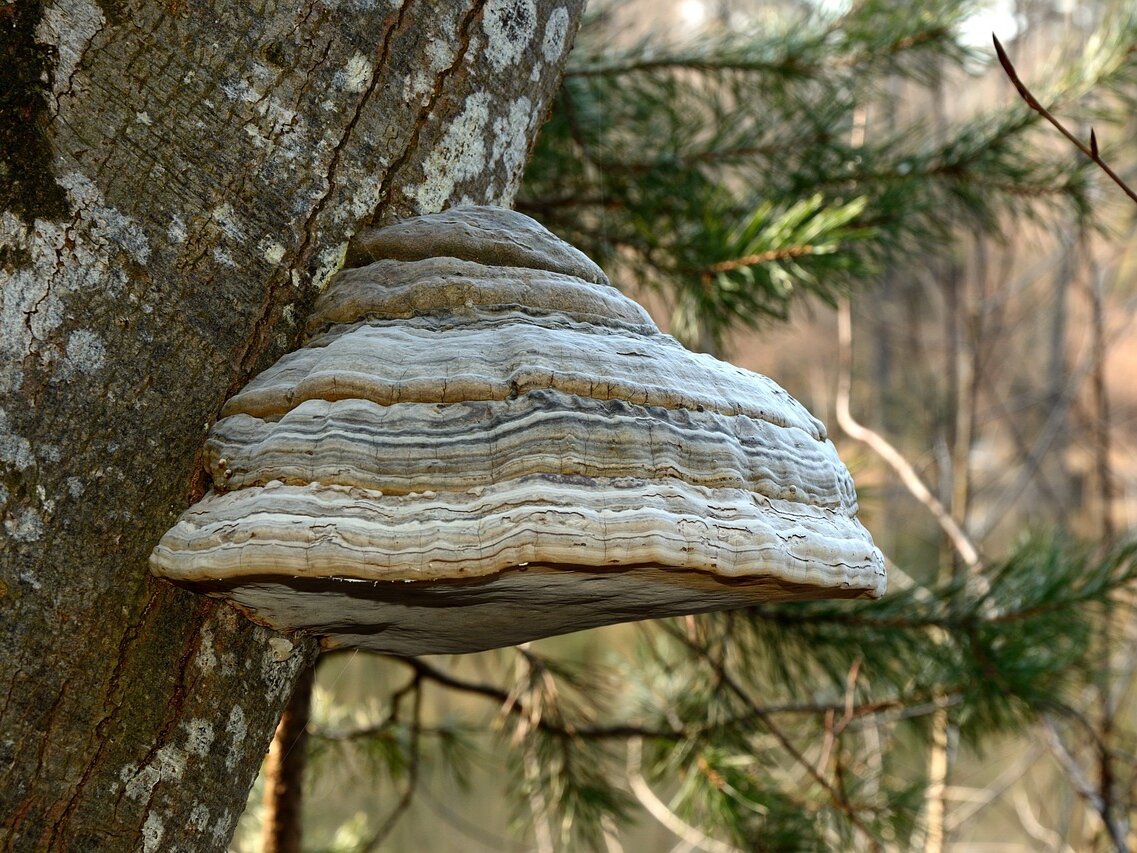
point(959, 540)
point(1090, 150)
point(659, 810)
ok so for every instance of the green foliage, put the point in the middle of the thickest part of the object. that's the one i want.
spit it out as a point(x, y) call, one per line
point(746, 697)
point(659, 159)
point(571, 773)
point(1002, 646)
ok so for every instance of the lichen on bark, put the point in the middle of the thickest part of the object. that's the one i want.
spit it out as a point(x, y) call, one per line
point(200, 168)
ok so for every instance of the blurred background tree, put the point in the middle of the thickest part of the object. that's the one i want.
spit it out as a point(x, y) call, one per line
point(776, 181)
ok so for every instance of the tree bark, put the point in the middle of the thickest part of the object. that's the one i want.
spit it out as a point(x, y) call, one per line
point(284, 771)
point(173, 195)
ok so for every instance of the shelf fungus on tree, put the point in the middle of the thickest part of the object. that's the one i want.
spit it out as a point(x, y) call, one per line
point(483, 442)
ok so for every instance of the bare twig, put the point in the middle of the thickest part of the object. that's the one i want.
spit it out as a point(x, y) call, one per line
point(1090, 150)
point(939, 765)
point(991, 792)
point(895, 460)
point(1084, 786)
point(1030, 823)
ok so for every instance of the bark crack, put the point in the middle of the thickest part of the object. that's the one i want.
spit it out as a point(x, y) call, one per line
point(387, 187)
point(129, 636)
point(80, 65)
point(178, 698)
point(8, 693)
point(306, 249)
point(169, 720)
point(21, 811)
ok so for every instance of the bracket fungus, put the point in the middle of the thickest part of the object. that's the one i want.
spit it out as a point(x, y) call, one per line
point(483, 442)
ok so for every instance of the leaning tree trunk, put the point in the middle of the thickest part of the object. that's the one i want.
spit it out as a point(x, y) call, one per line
point(178, 178)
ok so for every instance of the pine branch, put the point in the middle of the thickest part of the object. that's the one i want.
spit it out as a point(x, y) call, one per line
point(407, 796)
point(836, 797)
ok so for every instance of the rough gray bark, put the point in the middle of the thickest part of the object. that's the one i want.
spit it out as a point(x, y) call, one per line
point(187, 178)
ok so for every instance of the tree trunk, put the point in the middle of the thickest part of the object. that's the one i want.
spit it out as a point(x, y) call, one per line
point(172, 195)
point(284, 771)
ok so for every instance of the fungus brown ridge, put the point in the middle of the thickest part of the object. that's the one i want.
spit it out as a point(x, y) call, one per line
point(484, 442)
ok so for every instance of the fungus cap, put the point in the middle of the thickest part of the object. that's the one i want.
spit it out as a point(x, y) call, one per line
point(483, 443)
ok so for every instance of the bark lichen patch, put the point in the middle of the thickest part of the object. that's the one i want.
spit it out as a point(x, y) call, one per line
point(328, 263)
point(440, 54)
point(223, 829)
point(206, 657)
point(27, 72)
point(86, 353)
point(199, 737)
point(226, 221)
point(273, 251)
point(177, 232)
point(199, 818)
point(15, 450)
point(356, 75)
point(168, 764)
point(152, 832)
point(459, 156)
point(268, 121)
point(509, 26)
point(511, 135)
point(277, 673)
point(556, 34)
point(25, 525)
point(92, 250)
point(237, 729)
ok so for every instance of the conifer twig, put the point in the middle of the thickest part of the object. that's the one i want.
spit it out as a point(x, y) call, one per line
point(407, 796)
point(836, 796)
point(659, 810)
point(1090, 150)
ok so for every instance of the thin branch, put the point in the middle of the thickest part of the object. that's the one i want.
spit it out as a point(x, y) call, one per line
point(471, 829)
point(616, 731)
point(787, 253)
point(697, 63)
point(939, 766)
point(1090, 150)
point(407, 796)
point(996, 788)
point(895, 460)
point(768, 723)
point(1083, 785)
point(1033, 827)
point(659, 810)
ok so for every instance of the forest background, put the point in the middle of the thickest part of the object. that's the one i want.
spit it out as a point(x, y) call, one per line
point(854, 201)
